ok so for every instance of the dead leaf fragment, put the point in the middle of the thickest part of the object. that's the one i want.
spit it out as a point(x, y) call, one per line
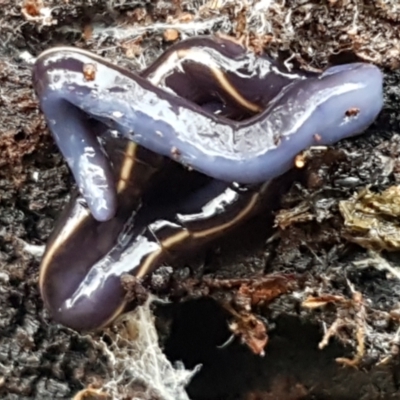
point(89, 72)
point(170, 35)
point(350, 317)
point(372, 219)
point(91, 394)
point(35, 11)
point(251, 331)
point(265, 290)
point(321, 301)
point(298, 214)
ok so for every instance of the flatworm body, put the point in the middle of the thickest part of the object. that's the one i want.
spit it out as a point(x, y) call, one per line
point(301, 111)
point(85, 259)
point(207, 103)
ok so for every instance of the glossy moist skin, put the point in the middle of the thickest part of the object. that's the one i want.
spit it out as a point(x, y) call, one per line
point(303, 111)
point(163, 212)
point(85, 259)
point(82, 289)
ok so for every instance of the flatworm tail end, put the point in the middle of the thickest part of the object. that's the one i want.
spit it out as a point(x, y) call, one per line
point(73, 133)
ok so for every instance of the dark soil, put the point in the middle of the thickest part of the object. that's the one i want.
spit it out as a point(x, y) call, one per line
point(304, 271)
